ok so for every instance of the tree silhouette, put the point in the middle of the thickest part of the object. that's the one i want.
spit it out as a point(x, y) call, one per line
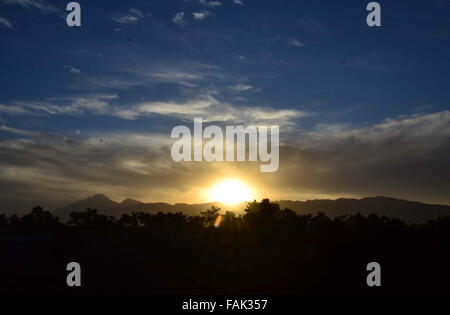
point(261, 213)
point(90, 218)
point(267, 250)
point(210, 215)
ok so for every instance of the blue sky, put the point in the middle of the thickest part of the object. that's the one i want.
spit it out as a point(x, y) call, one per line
point(135, 69)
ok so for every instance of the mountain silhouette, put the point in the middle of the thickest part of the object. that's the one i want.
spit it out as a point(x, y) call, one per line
point(100, 202)
point(129, 202)
point(409, 211)
point(108, 207)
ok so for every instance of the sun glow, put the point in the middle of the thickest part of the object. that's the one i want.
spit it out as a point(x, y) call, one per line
point(230, 192)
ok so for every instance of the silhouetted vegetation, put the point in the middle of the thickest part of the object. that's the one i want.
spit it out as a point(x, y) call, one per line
point(267, 250)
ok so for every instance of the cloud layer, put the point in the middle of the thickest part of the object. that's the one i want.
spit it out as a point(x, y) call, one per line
point(408, 157)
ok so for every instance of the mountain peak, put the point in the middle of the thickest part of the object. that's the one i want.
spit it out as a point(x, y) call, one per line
point(99, 202)
point(98, 197)
point(130, 202)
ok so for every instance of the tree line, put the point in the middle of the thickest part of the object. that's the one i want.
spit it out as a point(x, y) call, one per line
point(267, 250)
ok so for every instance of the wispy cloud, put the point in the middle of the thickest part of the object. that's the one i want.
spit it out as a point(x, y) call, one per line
point(132, 16)
point(199, 16)
point(211, 4)
point(409, 128)
point(238, 2)
point(184, 74)
point(178, 77)
point(70, 105)
point(4, 22)
point(72, 69)
point(179, 19)
point(205, 106)
point(241, 87)
point(34, 4)
point(295, 42)
point(212, 110)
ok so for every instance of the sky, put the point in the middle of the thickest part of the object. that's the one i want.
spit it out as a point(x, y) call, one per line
point(363, 111)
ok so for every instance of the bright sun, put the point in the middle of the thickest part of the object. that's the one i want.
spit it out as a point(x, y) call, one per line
point(230, 192)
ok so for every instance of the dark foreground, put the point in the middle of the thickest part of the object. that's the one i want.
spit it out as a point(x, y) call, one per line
point(267, 251)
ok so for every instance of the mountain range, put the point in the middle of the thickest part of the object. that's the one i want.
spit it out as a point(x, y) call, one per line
point(409, 211)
